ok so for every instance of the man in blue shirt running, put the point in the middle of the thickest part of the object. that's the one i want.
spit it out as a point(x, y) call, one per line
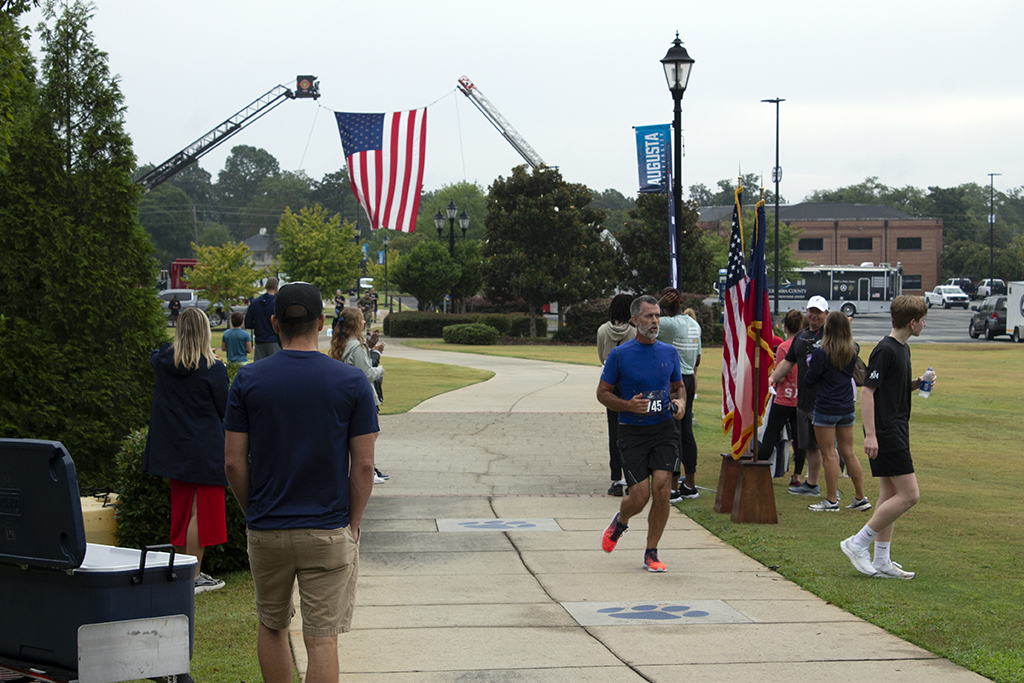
point(648, 371)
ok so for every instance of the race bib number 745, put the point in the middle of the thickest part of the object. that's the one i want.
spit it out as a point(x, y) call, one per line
point(658, 401)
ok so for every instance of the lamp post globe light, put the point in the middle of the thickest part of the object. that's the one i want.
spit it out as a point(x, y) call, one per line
point(677, 64)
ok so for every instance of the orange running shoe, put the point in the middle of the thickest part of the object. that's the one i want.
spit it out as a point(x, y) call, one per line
point(651, 561)
point(612, 533)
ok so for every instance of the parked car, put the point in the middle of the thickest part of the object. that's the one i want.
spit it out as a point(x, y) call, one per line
point(989, 318)
point(992, 287)
point(964, 283)
point(189, 299)
point(947, 296)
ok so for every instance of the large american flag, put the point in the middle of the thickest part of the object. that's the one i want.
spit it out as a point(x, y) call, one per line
point(385, 154)
point(735, 329)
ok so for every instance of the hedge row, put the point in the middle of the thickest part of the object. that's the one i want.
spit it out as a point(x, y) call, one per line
point(582, 320)
point(423, 324)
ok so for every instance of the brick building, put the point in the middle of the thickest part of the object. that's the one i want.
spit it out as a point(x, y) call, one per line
point(851, 234)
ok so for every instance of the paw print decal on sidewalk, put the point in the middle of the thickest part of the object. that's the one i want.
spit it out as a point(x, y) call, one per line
point(498, 525)
point(652, 612)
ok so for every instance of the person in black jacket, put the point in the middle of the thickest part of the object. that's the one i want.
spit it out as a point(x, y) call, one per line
point(185, 443)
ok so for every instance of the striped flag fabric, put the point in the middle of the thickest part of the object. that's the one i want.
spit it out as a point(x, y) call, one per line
point(758, 358)
point(735, 328)
point(386, 155)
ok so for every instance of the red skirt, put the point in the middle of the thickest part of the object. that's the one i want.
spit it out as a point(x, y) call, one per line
point(210, 514)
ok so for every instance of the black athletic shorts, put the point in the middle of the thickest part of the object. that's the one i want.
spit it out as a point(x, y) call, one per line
point(646, 448)
point(805, 430)
point(891, 464)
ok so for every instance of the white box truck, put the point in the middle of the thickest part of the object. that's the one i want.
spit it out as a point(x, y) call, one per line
point(1015, 310)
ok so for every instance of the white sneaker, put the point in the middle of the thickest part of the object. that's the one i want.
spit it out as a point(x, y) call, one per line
point(893, 570)
point(378, 480)
point(860, 559)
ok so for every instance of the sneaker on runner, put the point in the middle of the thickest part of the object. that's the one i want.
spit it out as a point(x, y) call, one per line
point(860, 559)
point(893, 570)
point(859, 504)
point(805, 489)
point(824, 506)
point(652, 563)
point(378, 480)
point(380, 474)
point(205, 582)
point(616, 489)
point(676, 496)
point(612, 533)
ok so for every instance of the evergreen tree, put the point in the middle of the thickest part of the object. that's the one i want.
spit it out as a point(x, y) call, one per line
point(80, 315)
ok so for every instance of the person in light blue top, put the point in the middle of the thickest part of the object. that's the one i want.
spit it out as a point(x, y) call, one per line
point(683, 333)
point(236, 342)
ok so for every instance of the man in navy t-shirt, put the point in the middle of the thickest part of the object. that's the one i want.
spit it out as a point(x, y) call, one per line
point(648, 371)
point(308, 424)
point(257, 319)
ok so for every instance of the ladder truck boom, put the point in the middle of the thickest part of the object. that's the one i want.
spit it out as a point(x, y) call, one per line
point(306, 87)
point(500, 122)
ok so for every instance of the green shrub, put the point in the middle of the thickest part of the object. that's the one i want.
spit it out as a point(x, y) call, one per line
point(521, 326)
point(583, 319)
point(498, 321)
point(143, 511)
point(475, 334)
point(422, 324)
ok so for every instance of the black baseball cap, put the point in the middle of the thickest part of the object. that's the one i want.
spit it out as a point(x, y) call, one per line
point(298, 294)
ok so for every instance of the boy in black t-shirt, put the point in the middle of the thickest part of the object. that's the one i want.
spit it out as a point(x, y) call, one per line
point(885, 410)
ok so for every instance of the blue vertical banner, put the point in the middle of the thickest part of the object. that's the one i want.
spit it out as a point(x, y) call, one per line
point(652, 155)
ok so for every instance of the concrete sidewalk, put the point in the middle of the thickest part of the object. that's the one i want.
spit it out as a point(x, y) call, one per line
point(481, 561)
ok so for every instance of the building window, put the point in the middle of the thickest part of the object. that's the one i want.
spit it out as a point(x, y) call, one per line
point(911, 282)
point(859, 244)
point(811, 244)
point(908, 244)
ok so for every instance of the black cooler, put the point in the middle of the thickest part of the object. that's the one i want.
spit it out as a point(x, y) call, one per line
point(52, 582)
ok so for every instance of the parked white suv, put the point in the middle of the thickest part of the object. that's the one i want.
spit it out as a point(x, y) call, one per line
point(947, 296)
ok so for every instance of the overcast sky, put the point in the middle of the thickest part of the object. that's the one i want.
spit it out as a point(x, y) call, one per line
point(915, 92)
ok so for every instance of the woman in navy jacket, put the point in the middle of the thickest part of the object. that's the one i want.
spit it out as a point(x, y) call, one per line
point(186, 438)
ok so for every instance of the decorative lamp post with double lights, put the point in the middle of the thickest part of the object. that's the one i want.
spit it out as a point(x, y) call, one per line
point(451, 210)
point(777, 177)
point(677, 64)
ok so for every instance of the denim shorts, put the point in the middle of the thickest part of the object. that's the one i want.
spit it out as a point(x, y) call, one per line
point(821, 420)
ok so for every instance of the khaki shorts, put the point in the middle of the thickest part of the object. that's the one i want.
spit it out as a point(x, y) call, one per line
point(326, 564)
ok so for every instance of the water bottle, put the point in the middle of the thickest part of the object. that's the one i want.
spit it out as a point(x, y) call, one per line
point(925, 390)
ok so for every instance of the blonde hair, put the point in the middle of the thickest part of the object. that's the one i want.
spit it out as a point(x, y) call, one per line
point(192, 340)
point(837, 339)
point(348, 328)
point(690, 312)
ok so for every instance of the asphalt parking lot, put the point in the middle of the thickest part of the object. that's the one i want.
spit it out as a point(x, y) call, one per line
point(944, 326)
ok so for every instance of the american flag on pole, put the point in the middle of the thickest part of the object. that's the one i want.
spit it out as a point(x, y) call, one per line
point(735, 330)
point(386, 155)
point(759, 357)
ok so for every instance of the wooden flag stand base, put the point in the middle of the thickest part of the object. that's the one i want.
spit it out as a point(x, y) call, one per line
point(754, 502)
point(727, 478)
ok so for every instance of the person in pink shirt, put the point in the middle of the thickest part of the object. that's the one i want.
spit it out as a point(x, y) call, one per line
point(783, 410)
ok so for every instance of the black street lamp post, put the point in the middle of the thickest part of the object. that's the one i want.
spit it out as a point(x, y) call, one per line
point(777, 177)
point(677, 63)
point(991, 227)
point(451, 210)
